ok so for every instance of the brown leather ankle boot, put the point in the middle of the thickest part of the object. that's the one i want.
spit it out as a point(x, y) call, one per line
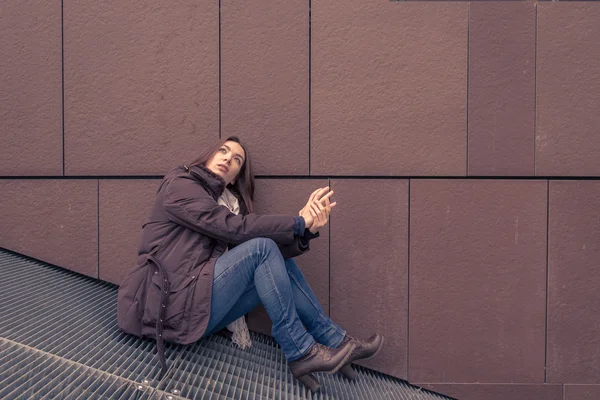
point(320, 359)
point(363, 351)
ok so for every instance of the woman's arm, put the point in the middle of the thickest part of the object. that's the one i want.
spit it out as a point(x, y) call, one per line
point(187, 203)
point(317, 209)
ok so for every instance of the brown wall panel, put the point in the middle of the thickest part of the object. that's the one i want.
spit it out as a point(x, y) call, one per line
point(582, 392)
point(498, 391)
point(282, 196)
point(388, 88)
point(477, 281)
point(568, 89)
point(573, 282)
point(501, 88)
point(264, 81)
point(52, 220)
point(369, 255)
point(141, 84)
point(124, 207)
point(30, 88)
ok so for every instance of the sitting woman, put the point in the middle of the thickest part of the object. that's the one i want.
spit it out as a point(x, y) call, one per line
point(188, 285)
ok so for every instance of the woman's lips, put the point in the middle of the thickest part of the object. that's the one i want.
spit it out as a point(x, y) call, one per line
point(222, 168)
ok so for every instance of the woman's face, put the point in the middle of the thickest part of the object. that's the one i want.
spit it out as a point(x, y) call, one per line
point(227, 161)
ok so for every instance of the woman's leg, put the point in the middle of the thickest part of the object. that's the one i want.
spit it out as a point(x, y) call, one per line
point(321, 327)
point(246, 303)
point(257, 265)
point(308, 307)
point(310, 311)
point(256, 270)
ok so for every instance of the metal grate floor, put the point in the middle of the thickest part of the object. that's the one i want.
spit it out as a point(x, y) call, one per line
point(59, 340)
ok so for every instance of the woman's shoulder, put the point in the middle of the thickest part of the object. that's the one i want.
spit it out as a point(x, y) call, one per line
point(177, 172)
point(184, 180)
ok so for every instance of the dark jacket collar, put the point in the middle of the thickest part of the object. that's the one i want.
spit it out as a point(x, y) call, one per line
point(211, 181)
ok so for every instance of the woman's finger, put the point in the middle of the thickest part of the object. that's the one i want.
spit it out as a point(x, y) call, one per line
point(321, 208)
point(319, 204)
point(315, 208)
point(313, 194)
point(326, 195)
point(328, 205)
point(324, 216)
point(319, 214)
point(317, 193)
point(322, 192)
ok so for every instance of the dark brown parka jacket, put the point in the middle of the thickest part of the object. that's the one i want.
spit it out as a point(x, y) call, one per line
point(167, 295)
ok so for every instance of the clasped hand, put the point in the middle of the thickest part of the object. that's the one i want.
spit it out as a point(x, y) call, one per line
point(317, 209)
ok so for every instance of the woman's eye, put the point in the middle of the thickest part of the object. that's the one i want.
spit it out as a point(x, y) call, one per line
point(222, 150)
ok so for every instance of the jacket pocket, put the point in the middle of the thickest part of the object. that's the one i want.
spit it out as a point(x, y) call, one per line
point(179, 291)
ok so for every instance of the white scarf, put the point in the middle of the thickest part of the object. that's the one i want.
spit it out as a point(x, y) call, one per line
point(241, 335)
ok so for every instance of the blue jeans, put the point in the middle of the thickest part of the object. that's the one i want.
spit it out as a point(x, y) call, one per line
point(255, 272)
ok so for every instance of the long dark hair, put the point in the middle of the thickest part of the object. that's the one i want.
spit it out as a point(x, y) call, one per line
point(243, 188)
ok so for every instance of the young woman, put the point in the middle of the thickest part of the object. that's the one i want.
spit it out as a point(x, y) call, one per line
point(206, 259)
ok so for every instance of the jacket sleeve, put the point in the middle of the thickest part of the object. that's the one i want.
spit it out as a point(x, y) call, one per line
point(187, 203)
point(299, 246)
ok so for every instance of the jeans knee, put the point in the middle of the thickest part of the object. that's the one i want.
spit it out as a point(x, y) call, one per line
point(265, 245)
